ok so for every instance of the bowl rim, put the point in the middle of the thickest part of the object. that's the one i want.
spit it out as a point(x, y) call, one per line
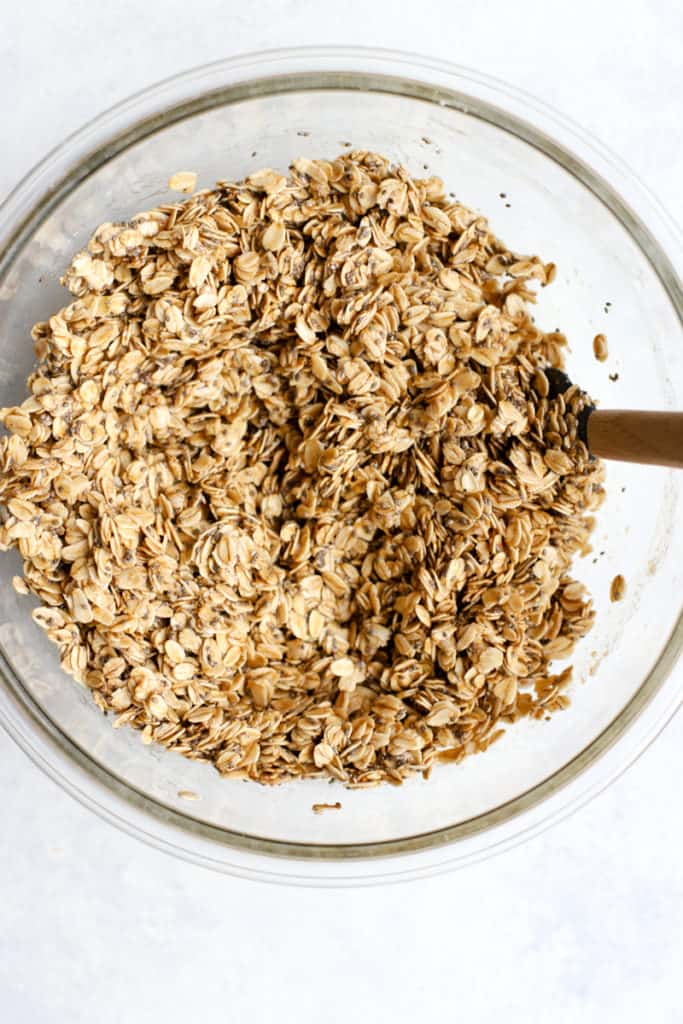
point(341, 67)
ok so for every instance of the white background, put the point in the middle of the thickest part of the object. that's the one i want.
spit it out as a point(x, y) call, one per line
point(583, 924)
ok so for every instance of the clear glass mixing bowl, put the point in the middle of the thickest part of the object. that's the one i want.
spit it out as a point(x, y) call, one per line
point(564, 197)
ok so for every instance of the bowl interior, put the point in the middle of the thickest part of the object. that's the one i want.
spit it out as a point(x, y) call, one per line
point(605, 283)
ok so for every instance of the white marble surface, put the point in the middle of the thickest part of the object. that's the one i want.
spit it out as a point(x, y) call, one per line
point(582, 924)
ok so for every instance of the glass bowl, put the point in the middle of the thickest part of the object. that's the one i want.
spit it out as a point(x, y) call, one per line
point(547, 188)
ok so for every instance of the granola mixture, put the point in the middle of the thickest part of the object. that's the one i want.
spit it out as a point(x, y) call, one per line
point(290, 485)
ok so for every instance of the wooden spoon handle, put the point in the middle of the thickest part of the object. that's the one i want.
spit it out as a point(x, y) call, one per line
point(655, 438)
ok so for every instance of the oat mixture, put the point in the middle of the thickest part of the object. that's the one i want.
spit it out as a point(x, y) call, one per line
point(290, 485)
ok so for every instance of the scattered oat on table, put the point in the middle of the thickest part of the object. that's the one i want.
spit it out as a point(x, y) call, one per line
point(600, 348)
point(617, 588)
point(289, 482)
point(321, 808)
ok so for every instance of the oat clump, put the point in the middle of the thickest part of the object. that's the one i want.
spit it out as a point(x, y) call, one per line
point(290, 485)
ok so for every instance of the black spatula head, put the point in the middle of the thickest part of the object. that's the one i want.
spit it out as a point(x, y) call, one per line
point(558, 383)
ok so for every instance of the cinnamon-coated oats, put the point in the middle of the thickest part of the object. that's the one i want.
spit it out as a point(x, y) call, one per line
point(290, 483)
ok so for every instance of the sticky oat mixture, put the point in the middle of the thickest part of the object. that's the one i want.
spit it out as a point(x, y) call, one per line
point(289, 484)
